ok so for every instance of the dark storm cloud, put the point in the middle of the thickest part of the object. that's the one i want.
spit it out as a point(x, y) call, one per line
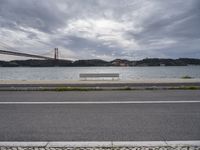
point(103, 28)
point(182, 25)
point(42, 15)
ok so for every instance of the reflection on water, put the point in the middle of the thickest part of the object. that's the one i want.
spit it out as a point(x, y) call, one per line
point(72, 73)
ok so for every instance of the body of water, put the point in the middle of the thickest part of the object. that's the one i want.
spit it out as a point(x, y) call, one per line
point(72, 73)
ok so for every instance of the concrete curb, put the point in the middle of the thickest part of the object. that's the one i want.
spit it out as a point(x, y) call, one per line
point(101, 144)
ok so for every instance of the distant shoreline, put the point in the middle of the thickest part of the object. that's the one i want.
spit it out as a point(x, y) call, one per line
point(101, 63)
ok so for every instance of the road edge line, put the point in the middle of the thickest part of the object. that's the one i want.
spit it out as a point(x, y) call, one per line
point(98, 102)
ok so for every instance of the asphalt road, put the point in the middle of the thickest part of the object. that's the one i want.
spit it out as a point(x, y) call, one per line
point(100, 121)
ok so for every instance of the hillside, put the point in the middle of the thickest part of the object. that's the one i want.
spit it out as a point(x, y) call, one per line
point(98, 62)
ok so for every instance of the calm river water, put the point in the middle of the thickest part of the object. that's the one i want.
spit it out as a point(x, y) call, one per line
point(72, 73)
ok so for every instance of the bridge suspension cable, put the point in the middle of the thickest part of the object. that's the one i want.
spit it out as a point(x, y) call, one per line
point(6, 46)
point(18, 53)
point(23, 54)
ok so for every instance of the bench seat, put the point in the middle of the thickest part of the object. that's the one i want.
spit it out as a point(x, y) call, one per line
point(86, 76)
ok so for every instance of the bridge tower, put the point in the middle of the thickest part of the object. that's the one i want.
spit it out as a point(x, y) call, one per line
point(56, 54)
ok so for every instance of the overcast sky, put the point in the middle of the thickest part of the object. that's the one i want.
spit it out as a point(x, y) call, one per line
point(102, 29)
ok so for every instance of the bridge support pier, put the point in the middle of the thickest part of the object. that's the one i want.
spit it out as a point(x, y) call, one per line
point(56, 53)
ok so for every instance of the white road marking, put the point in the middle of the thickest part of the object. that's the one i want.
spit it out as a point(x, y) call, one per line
point(99, 143)
point(98, 102)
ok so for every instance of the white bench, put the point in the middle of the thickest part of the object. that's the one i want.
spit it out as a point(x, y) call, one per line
point(85, 76)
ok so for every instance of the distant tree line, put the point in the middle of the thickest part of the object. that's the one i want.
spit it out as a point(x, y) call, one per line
point(98, 62)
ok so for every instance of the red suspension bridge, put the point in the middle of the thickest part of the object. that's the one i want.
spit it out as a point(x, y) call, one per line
point(6, 52)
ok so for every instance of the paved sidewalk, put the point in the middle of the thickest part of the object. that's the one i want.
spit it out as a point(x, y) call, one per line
point(133, 81)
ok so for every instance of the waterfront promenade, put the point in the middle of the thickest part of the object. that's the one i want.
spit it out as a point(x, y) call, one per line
point(112, 84)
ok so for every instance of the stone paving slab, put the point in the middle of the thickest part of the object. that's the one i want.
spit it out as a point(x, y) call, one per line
point(106, 145)
point(105, 148)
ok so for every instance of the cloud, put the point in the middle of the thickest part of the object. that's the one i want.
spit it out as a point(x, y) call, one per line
point(104, 29)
